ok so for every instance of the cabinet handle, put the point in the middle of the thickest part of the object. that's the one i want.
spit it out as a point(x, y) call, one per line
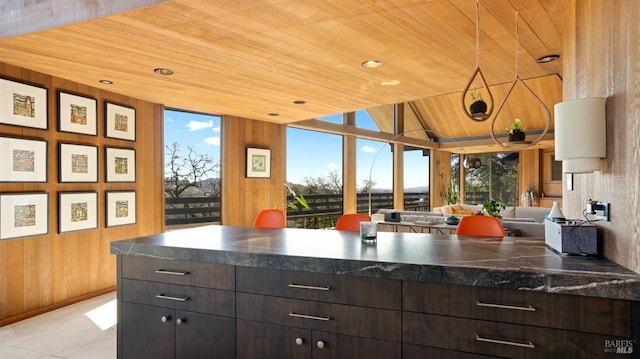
point(320, 344)
point(528, 308)
point(302, 286)
point(505, 342)
point(305, 316)
point(172, 272)
point(165, 318)
point(180, 321)
point(170, 297)
point(299, 341)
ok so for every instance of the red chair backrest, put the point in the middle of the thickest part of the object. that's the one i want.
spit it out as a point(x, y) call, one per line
point(486, 226)
point(351, 221)
point(270, 218)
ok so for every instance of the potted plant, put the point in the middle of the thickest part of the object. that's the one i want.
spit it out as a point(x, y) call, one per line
point(515, 131)
point(493, 207)
point(478, 107)
point(451, 194)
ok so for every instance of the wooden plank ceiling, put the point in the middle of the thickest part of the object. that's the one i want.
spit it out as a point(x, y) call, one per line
point(251, 59)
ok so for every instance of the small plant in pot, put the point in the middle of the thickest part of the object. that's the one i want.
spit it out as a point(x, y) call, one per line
point(493, 207)
point(478, 107)
point(515, 132)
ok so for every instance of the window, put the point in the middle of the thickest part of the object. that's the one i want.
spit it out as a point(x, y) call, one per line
point(497, 177)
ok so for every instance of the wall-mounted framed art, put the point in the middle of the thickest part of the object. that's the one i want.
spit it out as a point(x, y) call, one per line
point(24, 214)
point(258, 163)
point(77, 114)
point(77, 211)
point(120, 121)
point(120, 164)
point(121, 208)
point(23, 104)
point(77, 163)
point(23, 160)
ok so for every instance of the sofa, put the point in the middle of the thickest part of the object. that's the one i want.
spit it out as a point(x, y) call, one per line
point(520, 220)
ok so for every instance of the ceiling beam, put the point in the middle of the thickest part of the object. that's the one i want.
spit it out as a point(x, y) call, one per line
point(22, 17)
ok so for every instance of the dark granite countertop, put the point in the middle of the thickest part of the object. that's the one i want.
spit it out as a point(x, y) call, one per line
point(510, 262)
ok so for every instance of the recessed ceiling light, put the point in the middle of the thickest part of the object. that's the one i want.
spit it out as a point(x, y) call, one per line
point(274, 114)
point(547, 58)
point(299, 102)
point(371, 64)
point(163, 71)
point(106, 82)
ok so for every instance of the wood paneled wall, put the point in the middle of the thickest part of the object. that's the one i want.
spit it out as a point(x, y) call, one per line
point(245, 197)
point(44, 272)
point(601, 46)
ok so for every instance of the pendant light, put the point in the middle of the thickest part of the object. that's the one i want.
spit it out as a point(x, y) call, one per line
point(517, 80)
point(479, 110)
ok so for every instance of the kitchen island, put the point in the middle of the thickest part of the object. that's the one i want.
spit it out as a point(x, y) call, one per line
point(316, 293)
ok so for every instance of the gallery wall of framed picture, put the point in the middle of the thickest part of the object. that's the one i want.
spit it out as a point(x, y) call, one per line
point(91, 148)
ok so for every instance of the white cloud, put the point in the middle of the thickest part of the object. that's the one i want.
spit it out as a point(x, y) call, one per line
point(199, 125)
point(368, 149)
point(212, 141)
point(215, 129)
point(169, 119)
point(332, 165)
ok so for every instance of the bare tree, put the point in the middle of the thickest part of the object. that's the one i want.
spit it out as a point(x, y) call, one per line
point(188, 170)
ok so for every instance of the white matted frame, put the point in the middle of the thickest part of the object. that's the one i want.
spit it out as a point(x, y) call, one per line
point(258, 163)
point(23, 160)
point(23, 105)
point(120, 121)
point(77, 163)
point(121, 208)
point(23, 214)
point(120, 164)
point(77, 211)
point(77, 114)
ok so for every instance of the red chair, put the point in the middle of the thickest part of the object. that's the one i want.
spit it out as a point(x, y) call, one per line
point(486, 226)
point(270, 218)
point(351, 222)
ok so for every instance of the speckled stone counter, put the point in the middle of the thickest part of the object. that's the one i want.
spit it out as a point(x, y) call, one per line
point(510, 262)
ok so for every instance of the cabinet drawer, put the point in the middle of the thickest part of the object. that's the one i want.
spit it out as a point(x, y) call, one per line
point(195, 299)
point(364, 291)
point(207, 275)
point(500, 339)
point(587, 314)
point(329, 317)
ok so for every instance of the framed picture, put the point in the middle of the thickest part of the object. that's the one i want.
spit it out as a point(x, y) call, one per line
point(23, 105)
point(258, 163)
point(77, 114)
point(77, 211)
point(77, 163)
point(23, 160)
point(121, 208)
point(120, 164)
point(120, 122)
point(23, 214)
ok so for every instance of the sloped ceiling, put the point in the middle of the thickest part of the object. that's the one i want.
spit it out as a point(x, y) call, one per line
point(254, 59)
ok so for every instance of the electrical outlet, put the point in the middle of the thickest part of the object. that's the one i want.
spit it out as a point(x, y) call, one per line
point(599, 209)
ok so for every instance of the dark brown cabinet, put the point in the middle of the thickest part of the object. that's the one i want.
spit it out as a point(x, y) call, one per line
point(278, 318)
point(172, 309)
point(510, 323)
point(156, 332)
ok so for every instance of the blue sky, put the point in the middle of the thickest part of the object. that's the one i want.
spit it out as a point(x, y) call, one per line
point(309, 153)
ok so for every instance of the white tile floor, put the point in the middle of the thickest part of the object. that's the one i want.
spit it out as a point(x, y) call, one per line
point(67, 333)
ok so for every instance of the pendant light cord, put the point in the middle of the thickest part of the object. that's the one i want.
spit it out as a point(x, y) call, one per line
point(477, 33)
point(517, 42)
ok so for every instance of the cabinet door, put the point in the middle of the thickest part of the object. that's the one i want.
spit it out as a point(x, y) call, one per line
point(332, 345)
point(260, 340)
point(204, 336)
point(146, 333)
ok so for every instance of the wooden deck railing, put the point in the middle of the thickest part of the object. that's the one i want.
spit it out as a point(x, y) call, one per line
point(193, 210)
